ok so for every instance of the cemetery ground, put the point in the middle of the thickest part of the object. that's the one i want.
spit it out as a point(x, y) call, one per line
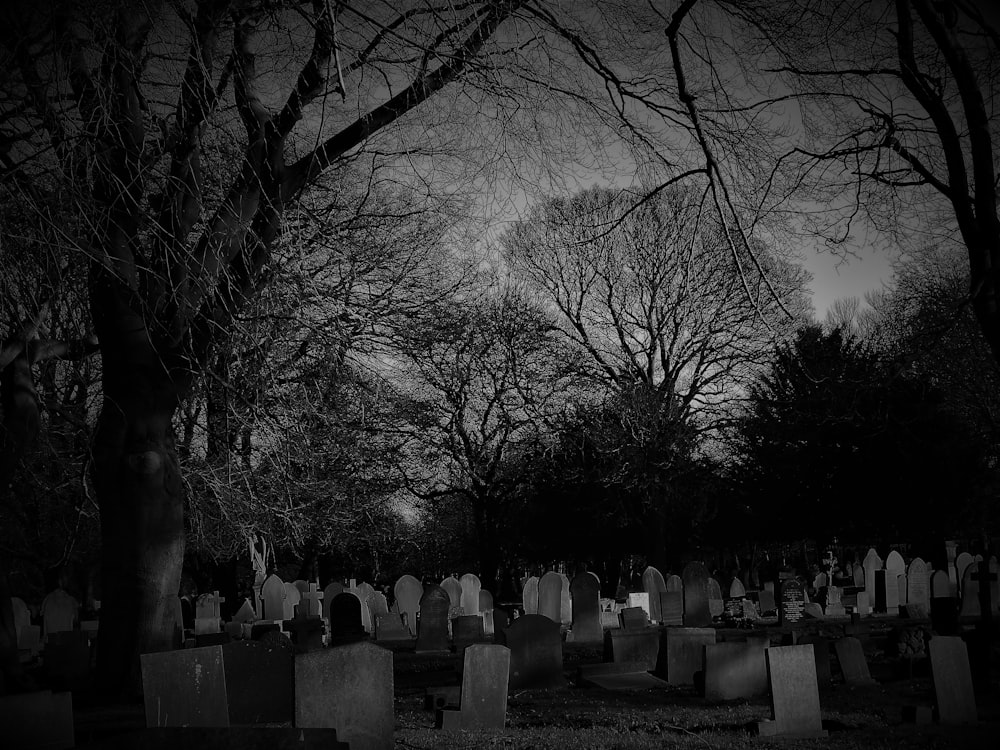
point(579, 717)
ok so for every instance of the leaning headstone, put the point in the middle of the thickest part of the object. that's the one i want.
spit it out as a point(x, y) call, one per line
point(350, 689)
point(871, 563)
point(346, 624)
point(550, 596)
point(432, 634)
point(258, 679)
point(853, 665)
point(40, 719)
point(185, 687)
point(586, 592)
point(273, 593)
point(795, 711)
point(536, 659)
point(471, 587)
point(379, 605)
point(682, 653)
point(529, 596)
point(696, 609)
point(792, 606)
point(716, 604)
point(735, 670)
point(953, 689)
point(653, 584)
point(918, 597)
point(408, 591)
point(485, 675)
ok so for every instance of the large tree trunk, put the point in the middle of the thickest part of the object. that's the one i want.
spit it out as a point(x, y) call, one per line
point(141, 500)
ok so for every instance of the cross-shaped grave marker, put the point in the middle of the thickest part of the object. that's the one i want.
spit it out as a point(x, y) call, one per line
point(310, 604)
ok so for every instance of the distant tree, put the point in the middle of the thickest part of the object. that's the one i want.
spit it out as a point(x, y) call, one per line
point(837, 442)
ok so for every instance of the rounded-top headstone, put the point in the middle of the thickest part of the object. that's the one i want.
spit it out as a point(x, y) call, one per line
point(736, 589)
point(550, 588)
point(408, 591)
point(329, 593)
point(529, 596)
point(485, 600)
point(674, 583)
point(470, 586)
point(871, 563)
point(273, 593)
point(345, 619)
point(653, 584)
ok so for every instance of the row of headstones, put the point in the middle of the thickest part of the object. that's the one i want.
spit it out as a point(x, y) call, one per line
point(892, 584)
point(59, 613)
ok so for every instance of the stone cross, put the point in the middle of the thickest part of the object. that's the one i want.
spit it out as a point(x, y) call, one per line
point(310, 604)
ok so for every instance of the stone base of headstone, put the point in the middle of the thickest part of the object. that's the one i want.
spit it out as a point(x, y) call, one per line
point(36, 721)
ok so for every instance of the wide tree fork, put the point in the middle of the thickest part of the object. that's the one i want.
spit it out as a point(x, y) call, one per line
point(159, 298)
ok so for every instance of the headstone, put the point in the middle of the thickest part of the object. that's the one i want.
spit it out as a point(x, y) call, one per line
point(940, 585)
point(736, 589)
point(408, 591)
point(311, 601)
point(379, 605)
point(735, 670)
point(953, 689)
point(633, 618)
point(454, 590)
point(550, 596)
point(258, 680)
point(365, 592)
point(895, 567)
point(674, 583)
point(207, 615)
point(389, 627)
point(640, 647)
point(36, 720)
point(886, 593)
point(586, 592)
point(432, 634)
point(795, 711)
point(793, 602)
point(716, 604)
point(653, 584)
point(536, 659)
point(918, 588)
point(766, 601)
point(346, 620)
point(466, 630)
point(821, 646)
point(485, 675)
point(962, 563)
point(970, 591)
point(22, 616)
point(471, 586)
point(640, 600)
point(485, 600)
point(951, 550)
point(696, 608)
point(185, 687)
point(329, 593)
point(872, 562)
point(350, 689)
point(59, 612)
point(682, 653)
point(858, 575)
point(565, 602)
point(529, 596)
point(853, 665)
point(672, 608)
point(273, 593)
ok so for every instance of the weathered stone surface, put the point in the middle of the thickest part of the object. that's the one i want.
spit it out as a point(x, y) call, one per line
point(735, 670)
point(853, 665)
point(186, 687)
point(953, 689)
point(795, 711)
point(535, 652)
point(586, 592)
point(682, 653)
point(432, 634)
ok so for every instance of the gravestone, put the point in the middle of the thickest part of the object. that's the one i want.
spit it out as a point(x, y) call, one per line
point(301, 584)
point(766, 601)
point(853, 665)
point(633, 618)
point(735, 670)
point(565, 602)
point(970, 591)
point(485, 601)
point(716, 604)
point(258, 679)
point(379, 605)
point(365, 592)
point(821, 645)
point(795, 711)
point(454, 591)
point(956, 701)
point(792, 606)
point(389, 627)
point(586, 592)
point(408, 591)
point(471, 587)
point(292, 598)
point(886, 593)
point(273, 593)
point(536, 659)
point(311, 601)
point(674, 583)
point(550, 596)
point(466, 630)
point(672, 608)
point(59, 612)
point(639, 647)
point(872, 562)
point(485, 675)
point(653, 584)
point(432, 633)
point(682, 653)
point(350, 689)
point(40, 720)
point(696, 609)
point(918, 596)
point(346, 620)
point(207, 615)
point(895, 567)
point(529, 596)
point(329, 593)
point(22, 616)
point(639, 600)
point(185, 687)
point(901, 590)
point(962, 563)
point(736, 589)
point(858, 575)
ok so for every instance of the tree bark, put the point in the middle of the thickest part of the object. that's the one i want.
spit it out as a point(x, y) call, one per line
point(141, 500)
